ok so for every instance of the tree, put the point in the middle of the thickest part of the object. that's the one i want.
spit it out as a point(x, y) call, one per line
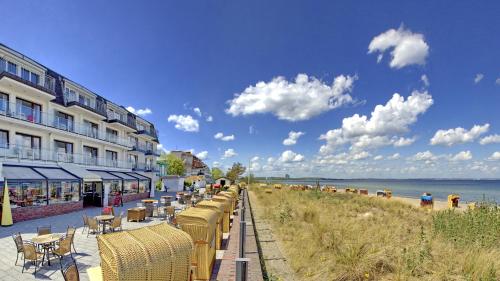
point(235, 172)
point(217, 173)
point(175, 166)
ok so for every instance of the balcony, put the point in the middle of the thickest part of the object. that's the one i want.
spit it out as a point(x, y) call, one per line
point(20, 153)
point(96, 107)
point(47, 87)
point(28, 114)
point(152, 151)
point(151, 168)
point(113, 117)
point(151, 134)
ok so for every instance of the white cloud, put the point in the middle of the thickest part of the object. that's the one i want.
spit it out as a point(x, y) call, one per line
point(495, 156)
point(301, 99)
point(202, 155)
point(184, 123)
point(292, 138)
point(408, 47)
point(251, 129)
point(395, 156)
point(215, 164)
point(141, 112)
point(220, 136)
point(403, 142)
point(424, 156)
point(229, 153)
point(197, 110)
point(490, 139)
point(462, 156)
point(360, 155)
point(378, 157)
point(425, 80)
point(384, 126)
point(458, 135)
point(255, 159)
point(497, 81)
point(478, 78)
point(160, 147)
point(290, 156)
point(210, 118)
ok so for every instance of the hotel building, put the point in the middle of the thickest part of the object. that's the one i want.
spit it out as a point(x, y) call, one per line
point(63, 147)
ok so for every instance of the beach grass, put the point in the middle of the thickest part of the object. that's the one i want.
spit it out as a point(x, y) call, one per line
point(344, 237)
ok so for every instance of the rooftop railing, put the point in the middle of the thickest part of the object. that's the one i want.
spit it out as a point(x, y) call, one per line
point(45, 85)
point(21, 112)
point(90, 104)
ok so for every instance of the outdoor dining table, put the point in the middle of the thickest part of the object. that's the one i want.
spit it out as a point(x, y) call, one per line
point(104, 219)
point(46, 241)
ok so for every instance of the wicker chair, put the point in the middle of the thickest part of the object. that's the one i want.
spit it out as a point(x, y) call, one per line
point(19, 244)
point(116, 224)
point(63, 248)
point(93, 226)
point(85, 223)
point(170, 213)
point(43, 230)
point(70, 232)
point(32, 254)
point(70, 272)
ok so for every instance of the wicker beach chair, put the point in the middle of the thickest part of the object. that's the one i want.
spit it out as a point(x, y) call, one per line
point(219, 208)
point(226, 219)
point(200, 224)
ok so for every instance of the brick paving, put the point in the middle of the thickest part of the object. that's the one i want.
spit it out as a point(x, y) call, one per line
point(87, 256)
point(226, 267)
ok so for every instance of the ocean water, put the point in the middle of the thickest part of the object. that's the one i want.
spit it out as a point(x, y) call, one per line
point(469, 190)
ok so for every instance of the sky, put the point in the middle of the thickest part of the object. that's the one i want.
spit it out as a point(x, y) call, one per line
point(338, 89)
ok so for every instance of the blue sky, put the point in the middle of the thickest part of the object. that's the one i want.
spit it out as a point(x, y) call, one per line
point(174, 56)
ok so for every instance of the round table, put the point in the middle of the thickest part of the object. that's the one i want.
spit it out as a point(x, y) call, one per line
point(46, 241)
point(104, 219)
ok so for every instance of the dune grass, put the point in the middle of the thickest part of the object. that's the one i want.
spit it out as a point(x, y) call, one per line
point(352, 237)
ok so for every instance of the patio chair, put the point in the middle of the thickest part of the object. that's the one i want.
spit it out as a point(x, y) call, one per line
point(70, 232)
point(63, 248)
point(85, 223)
point(32, 254)
point(170, 212)
point(93, 226)
point(19, 244)
point(116, 224)
point(70, 271)
point(43, 230)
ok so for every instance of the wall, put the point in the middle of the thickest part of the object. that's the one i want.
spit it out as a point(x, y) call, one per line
point(35, 212)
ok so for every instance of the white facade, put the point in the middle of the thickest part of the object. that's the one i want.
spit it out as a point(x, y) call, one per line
point(46, 118)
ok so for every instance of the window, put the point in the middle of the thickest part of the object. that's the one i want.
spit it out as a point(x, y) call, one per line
point(144, 186)
point(111, 135)
point(25, 74)
point(3, 64)
point(12, 68)
point(28, 146)
point(115, 186)
point(90, 155)
point(4, 139)
point(32, 193)
point(130, 186)
point(63, 151)
point(35, 78)
point(111, 158)
point(4, 103)
point(85, 100)
point(29, 111)
point(64, 191)
point(133, 141)
point(63, 121)
point(90, 129)
point(70, 95)
point(132, 159)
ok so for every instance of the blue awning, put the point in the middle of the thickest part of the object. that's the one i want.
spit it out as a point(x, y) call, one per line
point(20, 173)
point(55, 174)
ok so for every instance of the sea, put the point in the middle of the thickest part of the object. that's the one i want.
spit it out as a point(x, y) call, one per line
point(469, 190)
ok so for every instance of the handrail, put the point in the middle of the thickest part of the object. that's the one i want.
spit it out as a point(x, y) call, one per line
point(21, 112)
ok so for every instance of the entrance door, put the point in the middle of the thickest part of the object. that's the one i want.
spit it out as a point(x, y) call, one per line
point(92, 194)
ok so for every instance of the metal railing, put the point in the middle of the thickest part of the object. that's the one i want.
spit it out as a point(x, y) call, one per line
point(28, 114)
point(241, 261)
point(21, 153)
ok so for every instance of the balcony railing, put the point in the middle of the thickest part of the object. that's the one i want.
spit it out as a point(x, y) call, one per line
point(16, 152)
point(149, 132)
point(93, 105)
point(21, 112)
point(114, 117)
point(44, 85)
